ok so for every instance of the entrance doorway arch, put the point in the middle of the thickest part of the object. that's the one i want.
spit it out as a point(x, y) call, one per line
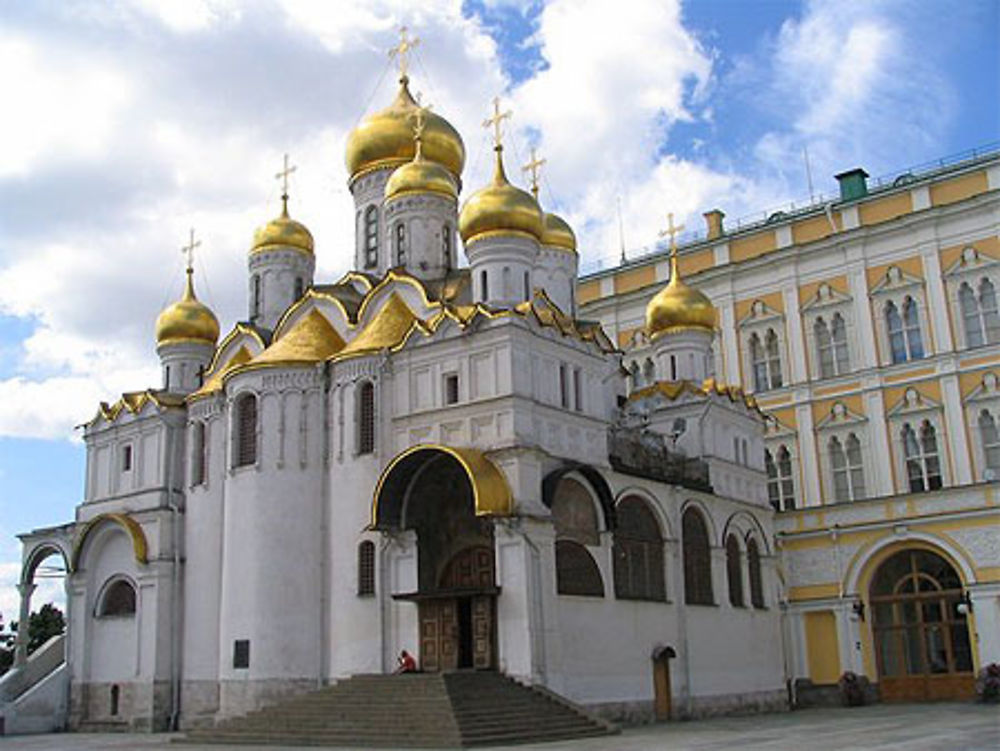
point(40, 547)
point(919, 628)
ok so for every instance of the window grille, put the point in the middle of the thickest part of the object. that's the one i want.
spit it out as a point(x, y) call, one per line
point(371, 237)
point(576, 571)
point(697, 559)
point(366, 418)
point(198, 450)
point(638, 553)
point(400, 244)
point(366, 568)
point(753, 566)
point(246, 431)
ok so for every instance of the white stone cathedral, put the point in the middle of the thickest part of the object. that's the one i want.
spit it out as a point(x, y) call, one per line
point(423, 455)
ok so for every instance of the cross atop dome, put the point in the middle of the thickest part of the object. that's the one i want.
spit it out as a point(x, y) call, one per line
point(496, 122)
point(283, 176)
point(672, 232)
point(402, 50)
point(188, 251)
point(533, 167)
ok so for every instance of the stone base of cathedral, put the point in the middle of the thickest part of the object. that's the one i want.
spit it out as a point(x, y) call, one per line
point(240, 697)
point(199, 704)
point(129, 707)
point(643, 712)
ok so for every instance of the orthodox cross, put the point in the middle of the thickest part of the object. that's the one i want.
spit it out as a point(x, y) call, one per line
point(403, 49)
point(283, 176)
point(420, 117)
point(496, 121)
point(672, 231)
point(533, 167)
point(188, 251)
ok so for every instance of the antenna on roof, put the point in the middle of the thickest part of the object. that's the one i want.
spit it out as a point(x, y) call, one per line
point(621, 228)
point(809, 179)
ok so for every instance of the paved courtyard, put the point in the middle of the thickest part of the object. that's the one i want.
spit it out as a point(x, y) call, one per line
point(926, 727)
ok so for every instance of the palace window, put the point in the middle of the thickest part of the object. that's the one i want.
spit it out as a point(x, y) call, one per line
point(780, 485)
point(765, 360)
point(923, 463)
point(991, 440)
point(366, 568)
point(905, 340)
point(366, 418)
point(831, 343)
point(246, 431)
point(847, 467)
point(756, 584)
point(118, 600)
point(697, 559)
point(979, 313)
point(199, 449)
point(734, 571)
point(400, 244)
point(371, 237)
point(638, 553)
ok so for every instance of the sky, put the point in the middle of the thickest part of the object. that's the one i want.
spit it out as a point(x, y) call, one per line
point(128, 122)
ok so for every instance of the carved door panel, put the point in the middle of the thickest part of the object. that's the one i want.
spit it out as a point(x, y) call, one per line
point(438, 635)
point(448, 615)
point(482, 632)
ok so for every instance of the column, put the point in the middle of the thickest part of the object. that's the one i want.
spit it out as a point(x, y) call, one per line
point(937, 305)
point(730, 347)
point(878, 464)
point(808, 456)
point(958, 444)
point(866, 349)
point(21, 641)
point(796, 343)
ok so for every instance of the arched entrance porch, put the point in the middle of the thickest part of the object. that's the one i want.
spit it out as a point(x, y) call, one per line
point(46, 555)
point(448, 497)
point(920, 629)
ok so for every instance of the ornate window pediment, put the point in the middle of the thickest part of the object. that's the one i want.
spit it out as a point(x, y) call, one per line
point(971, 262)
point(896, 280)
point(913, 403)
point(760, 313)
point(840, 416)
point(826, 297)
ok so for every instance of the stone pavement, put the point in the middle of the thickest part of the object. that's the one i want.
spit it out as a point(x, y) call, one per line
point(908, 727)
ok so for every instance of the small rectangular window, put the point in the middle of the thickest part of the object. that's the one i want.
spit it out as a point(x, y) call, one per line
point(563, 387)
point(578, 389)
point(451, 388)
point(126, 458)
point(241, 654)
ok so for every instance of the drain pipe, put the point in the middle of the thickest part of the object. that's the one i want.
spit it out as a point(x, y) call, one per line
point(175, 685)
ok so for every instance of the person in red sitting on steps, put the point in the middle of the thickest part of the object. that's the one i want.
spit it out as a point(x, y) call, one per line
point(406, 663)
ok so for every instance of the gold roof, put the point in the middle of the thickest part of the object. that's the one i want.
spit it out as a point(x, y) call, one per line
point(500, 208)
point(556, 232)
point(673, 389)
point(311, 339)
point(134, 402)
point(187, 319)
point(385, 139)
point(388, 328)
point(421, 176)
point(213, 383)
point(678, 307)
point(283, 232)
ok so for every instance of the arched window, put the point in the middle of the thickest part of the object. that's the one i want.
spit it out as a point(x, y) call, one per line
point(841, 356)
point(366, 418)
point(400, 244)
point(990, 312)
point(991, 441)
point(758, 364)
point(894, 325)
point(371, 237)
point(824, 347)
point(246, 431)
point(911, 327)
point(366, 568)
point(576, 571)
point(255, 296)
point(649, 372)
point(773, 359)
point(638, 553)
point(780, 485)
point(974, 335)
point(118, 599)
point(753, 566)
point(484, 285)
point(734, 571)
point(846, 466)
point(697, 559)
point(831, 346)
point(199, 450)
point(923, 464)
point(446, 246)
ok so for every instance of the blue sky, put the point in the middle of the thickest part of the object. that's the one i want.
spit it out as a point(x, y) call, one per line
point(138, 119)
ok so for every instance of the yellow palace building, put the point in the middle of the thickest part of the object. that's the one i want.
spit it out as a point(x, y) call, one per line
point(867, 329)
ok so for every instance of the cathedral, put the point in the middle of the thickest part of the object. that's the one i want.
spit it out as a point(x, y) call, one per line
point(600, 486)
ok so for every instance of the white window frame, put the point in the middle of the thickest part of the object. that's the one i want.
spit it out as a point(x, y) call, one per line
point(970, 268)
point(825, 304)
point(760, 320)
point(895, 287)
point(914, 408)
point(776, 436)
point(985, 396)
point(840, 423)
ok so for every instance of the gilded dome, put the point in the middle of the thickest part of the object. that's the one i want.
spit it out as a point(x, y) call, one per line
point(677, 307)
point(421, 176)
point(500, 207)
point(283, 231)
point(187, 320)
point(385, 139)
point(557, 232)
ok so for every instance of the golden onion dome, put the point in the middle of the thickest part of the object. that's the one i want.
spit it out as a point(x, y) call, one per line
point(187, 320)
point(385, 139)
point(557, 232)
point(500, 208)
point(677, 307)
point(283, 231)
point(421, 176)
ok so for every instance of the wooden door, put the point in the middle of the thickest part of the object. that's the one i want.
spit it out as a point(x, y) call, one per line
point(438, 635)
point(661, 688)
point(483, 631)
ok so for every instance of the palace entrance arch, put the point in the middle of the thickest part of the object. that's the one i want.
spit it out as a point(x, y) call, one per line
point(919, 629)
point(448, 496)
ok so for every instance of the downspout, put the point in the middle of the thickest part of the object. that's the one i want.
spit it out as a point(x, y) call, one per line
point(324, 570)
point(175, 683)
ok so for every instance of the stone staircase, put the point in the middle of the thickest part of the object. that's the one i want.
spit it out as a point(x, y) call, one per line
point(434, 710)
